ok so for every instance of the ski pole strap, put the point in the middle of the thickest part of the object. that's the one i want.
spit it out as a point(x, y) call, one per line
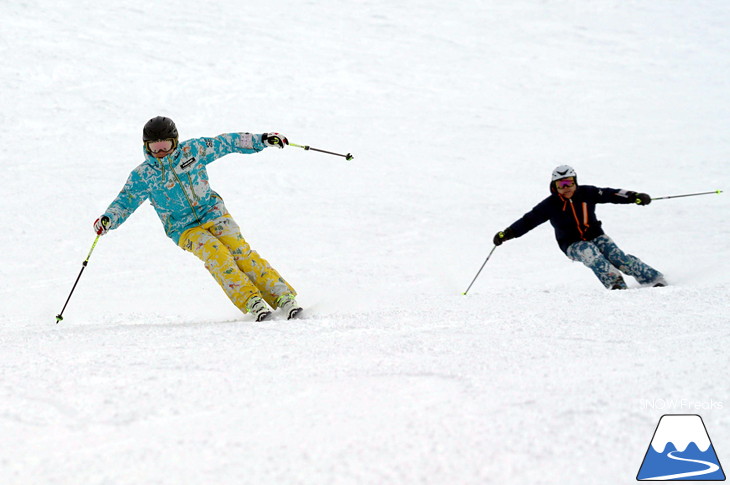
point(307, 147)
point(687, 195)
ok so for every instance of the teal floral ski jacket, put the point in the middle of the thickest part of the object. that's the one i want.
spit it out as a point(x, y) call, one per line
point(177, 185)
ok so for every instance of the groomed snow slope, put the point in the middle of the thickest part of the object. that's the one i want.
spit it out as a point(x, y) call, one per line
point(456, 114)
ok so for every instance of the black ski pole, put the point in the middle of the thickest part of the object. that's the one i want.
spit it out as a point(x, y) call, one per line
point(59, 317)
point(307, 147)
point(480, 269)
point(686, 195)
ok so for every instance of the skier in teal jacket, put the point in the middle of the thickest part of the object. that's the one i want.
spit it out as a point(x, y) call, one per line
point(175, 180)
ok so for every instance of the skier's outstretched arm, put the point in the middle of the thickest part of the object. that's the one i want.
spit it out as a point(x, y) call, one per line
point(619, 196)
point(134, 192)
point(214, 148)
point(538, 215)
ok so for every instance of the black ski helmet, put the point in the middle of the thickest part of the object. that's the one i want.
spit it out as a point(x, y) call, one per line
point(159, 128)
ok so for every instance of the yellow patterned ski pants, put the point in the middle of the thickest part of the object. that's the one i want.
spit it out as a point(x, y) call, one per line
point(240, 271)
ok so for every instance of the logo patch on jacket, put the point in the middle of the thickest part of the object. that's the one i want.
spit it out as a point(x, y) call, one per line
point(187, 164)
point(246, 140)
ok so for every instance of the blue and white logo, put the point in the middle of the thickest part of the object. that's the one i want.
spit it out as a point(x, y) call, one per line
point(681, 450)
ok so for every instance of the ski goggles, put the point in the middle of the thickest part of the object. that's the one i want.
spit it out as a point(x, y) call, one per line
point(565, 183)
point(161, 146)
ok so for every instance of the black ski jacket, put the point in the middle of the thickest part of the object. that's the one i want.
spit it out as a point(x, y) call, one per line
point(574, 219)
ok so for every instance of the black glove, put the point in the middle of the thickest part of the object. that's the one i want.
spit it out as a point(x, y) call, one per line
point(274, 140)
point(101, 225)
point(502, 236)
point(643, 199)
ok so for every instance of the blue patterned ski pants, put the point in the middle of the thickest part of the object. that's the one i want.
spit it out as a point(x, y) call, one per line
point(608, 261)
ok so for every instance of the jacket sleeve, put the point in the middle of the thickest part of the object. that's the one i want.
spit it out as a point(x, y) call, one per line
point(212, 149)
point(607, 195)
point(538, 215)
point(134, 192)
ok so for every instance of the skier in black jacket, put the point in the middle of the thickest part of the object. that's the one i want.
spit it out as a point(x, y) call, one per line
point(571, 210)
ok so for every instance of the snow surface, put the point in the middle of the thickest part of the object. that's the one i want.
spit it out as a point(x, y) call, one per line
point(456, 113)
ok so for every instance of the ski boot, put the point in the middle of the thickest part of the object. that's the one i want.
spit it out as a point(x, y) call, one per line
point(619, 284)
point(256, 306)
point(288, 305)
point(659, 282)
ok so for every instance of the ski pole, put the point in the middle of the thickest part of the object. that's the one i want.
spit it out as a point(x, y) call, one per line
point(307, 147)
point(480, 269)
point(687, 195)
point(59, 317)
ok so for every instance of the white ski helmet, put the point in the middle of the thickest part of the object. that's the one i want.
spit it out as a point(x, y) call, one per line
point(563, 171)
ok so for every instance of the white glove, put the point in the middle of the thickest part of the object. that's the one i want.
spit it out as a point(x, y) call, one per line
point(101, 225)
point(274, 140)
